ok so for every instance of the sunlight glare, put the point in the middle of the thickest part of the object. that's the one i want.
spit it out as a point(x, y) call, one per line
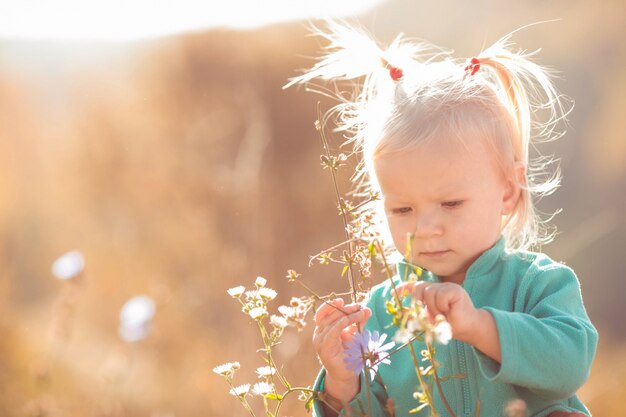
point(120, 20)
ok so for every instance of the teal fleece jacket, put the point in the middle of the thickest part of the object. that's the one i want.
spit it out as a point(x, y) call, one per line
point(547, 343)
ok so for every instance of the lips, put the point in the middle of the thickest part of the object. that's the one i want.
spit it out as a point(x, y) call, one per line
point(435, 254)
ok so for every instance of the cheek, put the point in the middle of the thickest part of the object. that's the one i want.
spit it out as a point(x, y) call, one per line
point(399, 230)
point(485, 223)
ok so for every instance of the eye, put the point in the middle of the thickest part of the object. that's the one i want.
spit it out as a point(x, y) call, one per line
point(401, 210)
point(452, 204)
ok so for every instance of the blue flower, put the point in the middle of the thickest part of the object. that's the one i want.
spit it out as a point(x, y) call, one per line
point(368, 349)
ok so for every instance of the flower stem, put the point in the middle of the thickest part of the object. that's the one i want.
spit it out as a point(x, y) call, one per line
point(347, 242)
point(431, 354)
point(423, 383)
point(292, 390)
point(270, 359)
point(338, 196)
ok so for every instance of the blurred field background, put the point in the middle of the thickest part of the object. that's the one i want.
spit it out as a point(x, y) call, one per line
point(180, 168)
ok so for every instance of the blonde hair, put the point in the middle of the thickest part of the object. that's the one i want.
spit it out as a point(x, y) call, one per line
point(503, 101)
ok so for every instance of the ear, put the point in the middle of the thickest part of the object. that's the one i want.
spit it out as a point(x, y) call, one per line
point(513, 188)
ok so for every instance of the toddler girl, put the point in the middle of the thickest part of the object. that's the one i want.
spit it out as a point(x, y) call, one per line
point(445, 143)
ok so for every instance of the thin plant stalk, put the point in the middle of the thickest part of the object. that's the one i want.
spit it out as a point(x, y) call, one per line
point(270, 359)
point(411, 348)
point(423, 383)
point(320, 128)
point(413, 355)
point(438, 381)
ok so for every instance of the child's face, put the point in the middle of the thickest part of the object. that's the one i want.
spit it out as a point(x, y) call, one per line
point(452, 198)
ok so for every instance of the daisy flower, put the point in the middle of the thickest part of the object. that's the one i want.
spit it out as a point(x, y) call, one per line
point(262, 388)
point(368, 347)
point(278, 321)
point(227, 368)
point(240, 391)
point(267, 293)
point(258, 313)
point(265, 371)
point(236, 292)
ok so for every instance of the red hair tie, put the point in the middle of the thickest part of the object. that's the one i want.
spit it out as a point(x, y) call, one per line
point(394, 72)
point(473, 66)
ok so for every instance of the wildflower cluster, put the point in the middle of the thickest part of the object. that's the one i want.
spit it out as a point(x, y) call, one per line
point(295, 313)
point(272, 385)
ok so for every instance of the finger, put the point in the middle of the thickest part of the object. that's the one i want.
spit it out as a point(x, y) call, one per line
point(335, 330)
point(327, 308)
point(367, 313)
point(429, 297)
point(418, 290)
point(359, 324)
point(444, 299)
point(337, 314)
point(337, 321)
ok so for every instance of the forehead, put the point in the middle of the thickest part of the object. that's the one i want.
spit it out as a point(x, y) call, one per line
point(437, 167)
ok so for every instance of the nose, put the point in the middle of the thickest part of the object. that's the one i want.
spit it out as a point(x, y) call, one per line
point(428, 225)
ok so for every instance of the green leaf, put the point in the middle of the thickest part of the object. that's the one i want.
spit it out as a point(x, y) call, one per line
point(309, 404)
point(344, 270)
point(371, 248)
point(273, 396)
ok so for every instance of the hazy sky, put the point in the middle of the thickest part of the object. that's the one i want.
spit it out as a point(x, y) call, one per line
point(133, 19)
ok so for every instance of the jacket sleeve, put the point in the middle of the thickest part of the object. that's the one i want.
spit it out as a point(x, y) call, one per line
point(359, 405)
point(548, 342)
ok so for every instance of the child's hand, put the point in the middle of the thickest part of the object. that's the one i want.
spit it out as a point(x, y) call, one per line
point(449, 300)
point(336, 323)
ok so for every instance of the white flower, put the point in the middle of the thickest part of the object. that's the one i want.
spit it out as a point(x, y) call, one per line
point(413, 325)
point(69, 265)
point(262, 388)
point(257, 312)
point(267, 293)
point(265, 371)
point(287, 311)
point(240, 391)
point(402, 336)
point(278, 321)
point(260, 282)
point(236, 292)
point(136, 317)
point(442, 332)
point(413, 276)
point(227, 368)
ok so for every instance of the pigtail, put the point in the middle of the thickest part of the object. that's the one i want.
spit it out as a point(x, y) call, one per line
point(527, 91)
point(373, 76)
point(526, 88)
point(354, 58)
